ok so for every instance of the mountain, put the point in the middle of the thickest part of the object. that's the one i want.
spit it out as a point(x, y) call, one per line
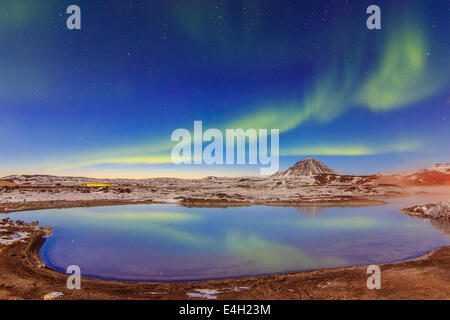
point(307, 167)
point(439, 174)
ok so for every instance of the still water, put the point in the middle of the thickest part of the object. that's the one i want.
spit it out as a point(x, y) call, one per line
point(167, 242)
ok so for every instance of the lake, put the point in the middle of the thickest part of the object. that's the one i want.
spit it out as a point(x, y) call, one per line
point(168, 242)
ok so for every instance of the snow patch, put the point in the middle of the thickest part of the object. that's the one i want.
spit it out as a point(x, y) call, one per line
point(211, 294)
point(436, 210)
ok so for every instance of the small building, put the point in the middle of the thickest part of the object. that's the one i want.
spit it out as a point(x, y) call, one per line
point(94, 185)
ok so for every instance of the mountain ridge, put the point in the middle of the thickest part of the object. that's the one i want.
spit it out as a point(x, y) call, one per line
point(308, 172)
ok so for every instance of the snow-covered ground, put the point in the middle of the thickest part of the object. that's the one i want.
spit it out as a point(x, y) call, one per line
point(169, 190)
point(435, 210)
point(308, 180)
point(9, 238)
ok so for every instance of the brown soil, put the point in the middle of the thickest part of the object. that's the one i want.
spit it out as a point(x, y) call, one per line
point(23, 276)
point(4, 183)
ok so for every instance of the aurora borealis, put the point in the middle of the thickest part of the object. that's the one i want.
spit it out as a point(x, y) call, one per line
point(103, 101)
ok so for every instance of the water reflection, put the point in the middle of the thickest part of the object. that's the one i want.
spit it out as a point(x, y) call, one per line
point(311, 210)
point(166, 242)
point(441, 225)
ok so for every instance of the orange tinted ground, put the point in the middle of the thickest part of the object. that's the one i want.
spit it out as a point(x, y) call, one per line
point(4, 183)
point(417, 179)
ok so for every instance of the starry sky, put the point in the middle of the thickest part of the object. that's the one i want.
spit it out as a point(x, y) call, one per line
point(103, 101)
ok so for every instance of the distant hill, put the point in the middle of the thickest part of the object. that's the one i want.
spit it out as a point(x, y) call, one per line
point(307, 167)
point(43, 180)
point(439, 174)
point(319, 173)
point(305, 172)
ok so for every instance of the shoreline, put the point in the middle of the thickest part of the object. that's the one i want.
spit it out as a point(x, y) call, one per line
point(23, 275)
point(6, 208)
point(29, 279)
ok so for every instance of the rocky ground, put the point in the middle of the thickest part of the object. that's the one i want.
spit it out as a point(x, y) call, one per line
point(439, 210)
point(209, 191)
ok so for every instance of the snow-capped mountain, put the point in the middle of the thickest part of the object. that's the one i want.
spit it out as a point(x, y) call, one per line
point(307, 167)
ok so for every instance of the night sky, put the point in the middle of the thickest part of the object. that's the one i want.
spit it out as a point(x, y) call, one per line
point(103, 101)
